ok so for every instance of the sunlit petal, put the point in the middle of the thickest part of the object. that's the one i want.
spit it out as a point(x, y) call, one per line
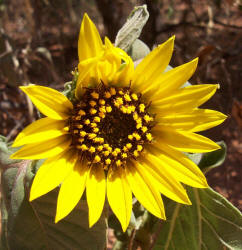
point(51, 173)
point(119, 196)
point(48, 101)
point(96, 192)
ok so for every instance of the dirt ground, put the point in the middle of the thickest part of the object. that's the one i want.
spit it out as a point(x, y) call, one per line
point(38, 44)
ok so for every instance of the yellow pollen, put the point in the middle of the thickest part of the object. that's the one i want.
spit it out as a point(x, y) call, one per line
point(142, 107)
point(118, 163)
point(127, 98)
point(95, 95)
point(106, 145)
point(93, 125)
point(112, 91)
point(114, 153)
point(101, 140)
point(135, 97)
point(130, 109)
point(137, 136)
point(107, 94)
point(144, 129)
point(108, 161)
point(102, 109)
point(80, 139)
point(130, 137)
point(125, 149)
point(139, 121)
point(78, 118)
point(139, 125)
point(92, 111)
point(118, 101)
point(147, 118)
point(82, 133)
point(149, 136)
point(97, 159)
point(92, 103)
point(102, 102)
point(108, 109)
point(81, 112)
point(139, 148)
point(97, 139)
point(106, 153)
point(100, 148)
point(102, 115)
point(117, 150)
point(92, 149)
point(124, 155)
point(75, 131)
point(80, 126)
point(83, 147)
point(135, 116)
point(95, 130)
point(110, 149)
point(87, 121)
point(96, 119)
point(136, 153)
point(121, 92)
point(129, 145)
point(92, 136)
point(123, 109)
point(66, 129)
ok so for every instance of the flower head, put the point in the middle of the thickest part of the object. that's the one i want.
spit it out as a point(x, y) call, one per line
point(125, 132)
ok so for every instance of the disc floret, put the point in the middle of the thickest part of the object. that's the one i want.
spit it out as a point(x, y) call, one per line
point(110, 125)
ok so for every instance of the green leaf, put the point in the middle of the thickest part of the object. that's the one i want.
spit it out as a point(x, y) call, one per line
point(131, 30)
point(5, 152)
point(211, 222)
point(138, 50)
point(30, 225)
point(208, 161)
point(213, 159)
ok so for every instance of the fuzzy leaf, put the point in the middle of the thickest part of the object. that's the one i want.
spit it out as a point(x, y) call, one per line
point(30, 225)
point(131, 30)
point(210, 223)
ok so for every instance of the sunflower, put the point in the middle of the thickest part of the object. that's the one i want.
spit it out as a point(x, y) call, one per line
point(124, 133)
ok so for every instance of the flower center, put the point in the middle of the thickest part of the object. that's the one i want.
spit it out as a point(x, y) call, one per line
point(110, 125)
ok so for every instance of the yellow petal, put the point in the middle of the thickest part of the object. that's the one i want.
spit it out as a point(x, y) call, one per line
point(41, 130)
point(163, 179)
point(96, 192)
point(185, 99)
point(49, 102)
point(42, 150)
point(71, 190)
point(179, 165)
point(194, 121)
point(145, 191)
point(172, 80)
point(51, 173)
point(84, 68)
point(152, 66)
point(119, 196)
point(185, 141)
point(89, 43)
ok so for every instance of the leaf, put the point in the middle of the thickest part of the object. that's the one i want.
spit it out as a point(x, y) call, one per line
point(213, 159)
point(30, 225)
point(5, 152)
point(131, 30)
point(210, 160)
point(138, 50)
point(210, 223)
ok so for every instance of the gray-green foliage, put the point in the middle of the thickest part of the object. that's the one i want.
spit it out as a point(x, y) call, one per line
point(210, 223)
point(30, 225)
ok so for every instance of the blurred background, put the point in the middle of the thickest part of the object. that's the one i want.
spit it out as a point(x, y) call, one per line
point(38, 44)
